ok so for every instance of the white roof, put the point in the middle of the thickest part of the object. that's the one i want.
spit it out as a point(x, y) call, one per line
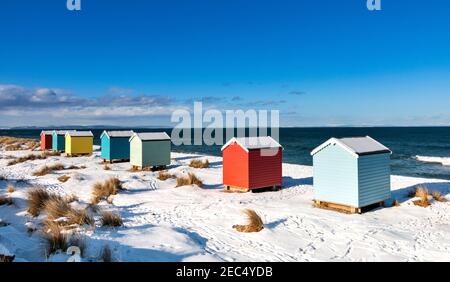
point(62, 132)
point(252, 143)
point(151, 136)
point(80, 133)
point(123, 133)
point(358, 146)
point(47, 132)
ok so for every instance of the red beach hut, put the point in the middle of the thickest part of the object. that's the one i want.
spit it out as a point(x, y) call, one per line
point(252, 163)
point(46, 140)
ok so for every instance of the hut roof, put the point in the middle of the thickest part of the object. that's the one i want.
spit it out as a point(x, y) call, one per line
point(80, 133)
point(47, 132)
point(253, 143)
point(62, 132)
point(359, 146)
point(151, 136)
point(123, 133)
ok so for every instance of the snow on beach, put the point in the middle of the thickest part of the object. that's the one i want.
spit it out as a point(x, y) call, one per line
point(163, 223)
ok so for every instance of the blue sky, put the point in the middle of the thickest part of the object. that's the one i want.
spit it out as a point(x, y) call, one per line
point(132, 62)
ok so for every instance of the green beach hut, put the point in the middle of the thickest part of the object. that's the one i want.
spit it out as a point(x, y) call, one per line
point(59, 140)
point(150, 149)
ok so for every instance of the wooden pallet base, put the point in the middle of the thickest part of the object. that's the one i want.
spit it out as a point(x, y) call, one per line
point(345, 208)
point(115, 161)
point(78, 155)
point(149, 168)
point(230, 188)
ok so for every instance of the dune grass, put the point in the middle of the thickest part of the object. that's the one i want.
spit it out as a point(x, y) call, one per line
point(199, 164)
point(56, 237)
point(10, 188)
point(423, 195)
point(36, 200)
point(29, 157)
point(437, 196)
point(101, 191)
point(63, 178)
point(111, 219)
point(190, 179)
point(106, 167)
point(14, 144)
point(163, 175)
point(57, 207)
point(46, 169)
point(255, 223)
point(4, 258)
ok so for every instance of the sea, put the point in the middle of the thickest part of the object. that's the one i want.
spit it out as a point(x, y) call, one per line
point(417, 151)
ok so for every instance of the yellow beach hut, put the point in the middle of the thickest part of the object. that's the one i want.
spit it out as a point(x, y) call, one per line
point(79, 143)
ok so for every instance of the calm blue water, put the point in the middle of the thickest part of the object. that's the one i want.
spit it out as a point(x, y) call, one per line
point(406, 144)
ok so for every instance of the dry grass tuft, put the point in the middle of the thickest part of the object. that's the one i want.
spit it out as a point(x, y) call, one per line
point(70, 199)
point(422, 194)
point(63, 178)
point(438, 196)
point(14, 147)
point(36, 200)
point(58, 207)
point(190, 179)
point(106, 167)
point(75, 167)
point(10, 188)
point(255, 223)
point(104, 190)
point(29, 157)
point(48, 169)
point(4, 258)
point(395, 203)
point(5, 200)
point(199, 164)
point(56, 237)
point(133, 169)
point(52, 154)
point(111, 219)
point(163, 175)
point(13, 144)
point(106, 255)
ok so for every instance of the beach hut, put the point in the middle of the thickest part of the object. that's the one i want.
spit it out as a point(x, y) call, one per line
point(79, 143)
point(58, 140)
point(46, 140)
point(351, 173)
point(115, 145)
point(252, 163)
point(149, 149)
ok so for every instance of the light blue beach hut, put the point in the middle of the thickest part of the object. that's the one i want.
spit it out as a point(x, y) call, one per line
point(59, 141)
point(115, 145)
point(351, 173)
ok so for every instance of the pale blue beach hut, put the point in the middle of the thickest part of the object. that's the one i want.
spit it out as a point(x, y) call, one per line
point(115, 145)
point(351, 173)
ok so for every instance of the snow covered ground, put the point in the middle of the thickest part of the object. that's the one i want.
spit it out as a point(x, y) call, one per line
point(163, 223)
